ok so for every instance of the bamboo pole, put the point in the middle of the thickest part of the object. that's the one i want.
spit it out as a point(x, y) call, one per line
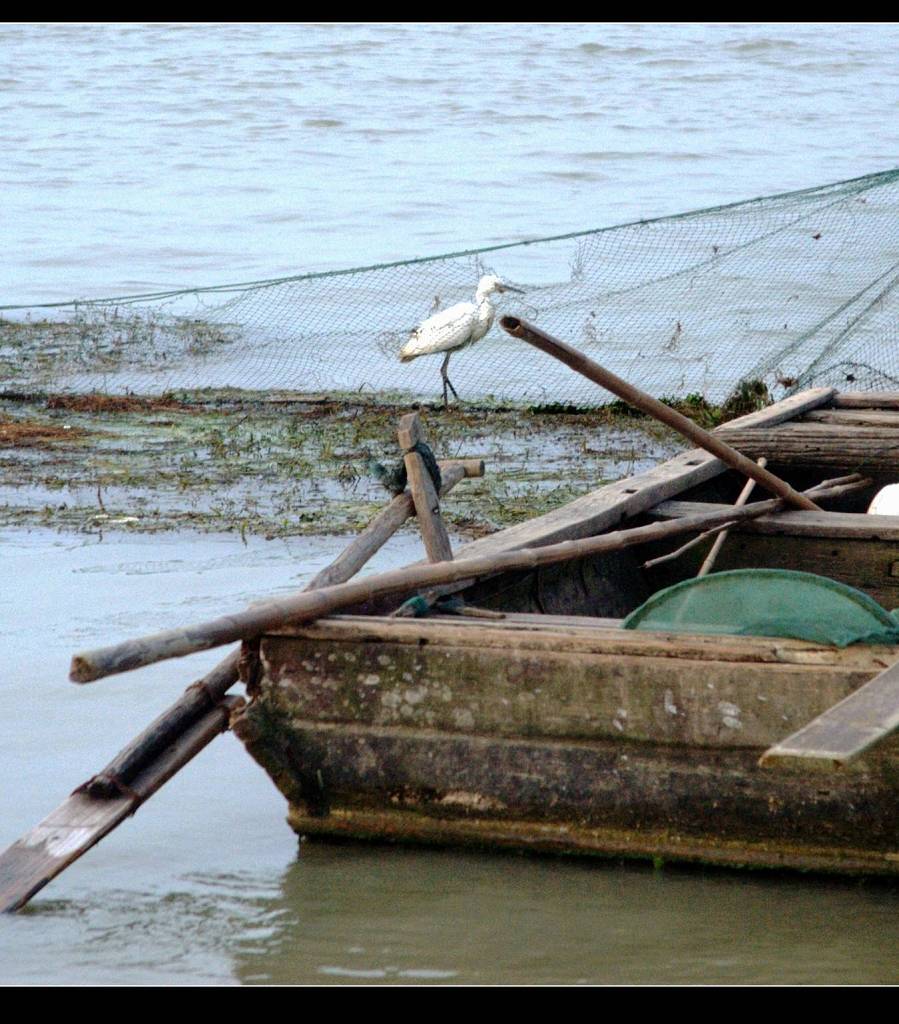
point(653, 407)
point(263, 617)
point(743, 497)
point(834, 488)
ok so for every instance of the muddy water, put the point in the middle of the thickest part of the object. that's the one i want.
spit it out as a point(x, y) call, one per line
point(208, 884)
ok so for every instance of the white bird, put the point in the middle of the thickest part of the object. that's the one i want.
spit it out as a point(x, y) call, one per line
point(455, 327)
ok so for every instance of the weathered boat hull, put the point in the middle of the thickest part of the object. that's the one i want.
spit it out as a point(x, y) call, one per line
point(556, 730)
point(571, 738)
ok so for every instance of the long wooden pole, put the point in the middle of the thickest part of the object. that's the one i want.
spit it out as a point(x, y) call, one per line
point(653, 407)
point(303, 607)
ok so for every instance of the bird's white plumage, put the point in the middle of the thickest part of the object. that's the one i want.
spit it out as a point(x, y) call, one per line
point(450, 328)
point(453, 328)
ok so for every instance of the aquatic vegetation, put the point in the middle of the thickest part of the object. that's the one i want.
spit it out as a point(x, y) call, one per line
point(104, 338)
point(280, 464)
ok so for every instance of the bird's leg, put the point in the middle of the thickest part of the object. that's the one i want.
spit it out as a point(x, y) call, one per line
point(447, 382)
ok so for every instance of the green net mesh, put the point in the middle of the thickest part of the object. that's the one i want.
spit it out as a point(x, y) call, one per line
point(794, 290)
point(768, 602)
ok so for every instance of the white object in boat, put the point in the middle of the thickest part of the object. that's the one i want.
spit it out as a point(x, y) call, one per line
point(886, 501)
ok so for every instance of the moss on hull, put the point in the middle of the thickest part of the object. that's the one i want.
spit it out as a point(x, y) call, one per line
point(611, 798)
point(564, 838)
point(529, 735)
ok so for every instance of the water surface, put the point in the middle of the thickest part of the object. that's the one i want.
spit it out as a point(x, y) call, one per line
point(140, 157)
point(207, 884)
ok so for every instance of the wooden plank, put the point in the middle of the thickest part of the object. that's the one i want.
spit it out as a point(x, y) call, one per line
point(427, 510)
point(784, 410)
point(854, 417)
point(580, 635)
point(82, 821)
point(846, 730)
point(866, 400)
point(822, 445)
point(604, 508)
point(848, 525)
point(529, 621)
point(812, 430)
point(610, 505)
point(424, 493)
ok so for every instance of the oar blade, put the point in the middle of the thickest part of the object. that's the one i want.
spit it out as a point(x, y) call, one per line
point(81, 821)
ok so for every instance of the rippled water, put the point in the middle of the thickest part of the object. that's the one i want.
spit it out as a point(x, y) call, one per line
point(207, 884)
point(143, 157)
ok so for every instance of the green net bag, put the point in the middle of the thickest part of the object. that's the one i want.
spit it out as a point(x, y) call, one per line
point(768, 602)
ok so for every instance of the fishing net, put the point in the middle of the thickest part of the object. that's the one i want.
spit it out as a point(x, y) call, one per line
point(768, 602)
point(793, 290)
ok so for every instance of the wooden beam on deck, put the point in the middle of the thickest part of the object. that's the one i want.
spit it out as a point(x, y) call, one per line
point(866, 400)
point(857, 526)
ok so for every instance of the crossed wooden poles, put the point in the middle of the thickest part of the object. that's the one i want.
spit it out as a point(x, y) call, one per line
point(100, 804)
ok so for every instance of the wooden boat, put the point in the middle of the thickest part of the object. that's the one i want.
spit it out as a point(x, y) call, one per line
point(554, 729)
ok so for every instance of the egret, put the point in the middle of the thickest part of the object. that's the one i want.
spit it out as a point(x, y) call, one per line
point(454, 328)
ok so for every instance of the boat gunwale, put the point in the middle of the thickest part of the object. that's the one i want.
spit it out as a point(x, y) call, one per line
point(586, 636)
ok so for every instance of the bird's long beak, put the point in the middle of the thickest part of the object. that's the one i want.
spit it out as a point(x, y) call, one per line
point(509, 288)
